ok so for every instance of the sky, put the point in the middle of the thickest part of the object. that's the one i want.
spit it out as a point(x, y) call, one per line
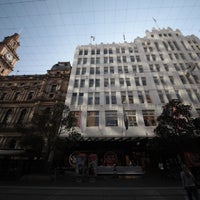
point(50, 30)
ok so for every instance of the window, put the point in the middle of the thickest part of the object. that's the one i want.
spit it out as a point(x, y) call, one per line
point(117, 50)
point(105, 60)
point(110, 59)
point(120, 70)
point(168, 95)
point(160, 94)
point(78, 71)
point(137, 81)
point(22, 116)
point(76, 83)
point(98, 70)
point(134, 68)
point(123, 96)
point(97, 98)
point(144, 82)
point(105, 70)
point(171, 78)
point(16, 96)
point(130, 97)
point(86, 52)
point(83, 70)
point(132, 58)
point(97, 60)
point(124, 59)
point(166, 67)
point(105, 51)
point(113, 98)
point(82, 83)
point(98, 51)
point(140, 97)
point(131, 115)
point(130, 50)
point(149, 118)
point(90, 98)
point(112, 82)
point(79, 61)
point(110, 51)
point(141, 69)
point(80, 52)
point(107, 98)
point(8, 117)
point(93, 52)
point(161, 57)
point(123, 50)
point(183, 79)
point(92, 118)
point(119, 59)
point(156, 81)
point(91, 82)
point(53, 88)
point(125, 69)
point(92, 61)
point(92, 70)
point(162, 80)
point(128, 83)
point(80, 99)
point(148, 97)
point(84, 61)
point(111, 118)
point(121, 81)
point(106, 83)
point(74, 97)
point(30, 95)
point(138, 59)
point(111, 70)
point(97, 82)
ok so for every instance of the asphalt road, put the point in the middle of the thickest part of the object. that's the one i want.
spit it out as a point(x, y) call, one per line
point(92, 193)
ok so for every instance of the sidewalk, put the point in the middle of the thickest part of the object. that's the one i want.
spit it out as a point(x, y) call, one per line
point(69, 179)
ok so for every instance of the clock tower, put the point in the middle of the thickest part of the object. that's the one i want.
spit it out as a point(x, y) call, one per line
point(8, 55)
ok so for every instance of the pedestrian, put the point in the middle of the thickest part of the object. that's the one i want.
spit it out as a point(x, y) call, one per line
point(189, 183)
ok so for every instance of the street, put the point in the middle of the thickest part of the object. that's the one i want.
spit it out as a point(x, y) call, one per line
point(94, 193)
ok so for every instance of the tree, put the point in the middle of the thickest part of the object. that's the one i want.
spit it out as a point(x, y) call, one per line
point(48, 123)
point(176, 130)
point(175, 120)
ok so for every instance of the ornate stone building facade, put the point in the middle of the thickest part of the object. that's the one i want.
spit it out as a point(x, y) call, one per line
point(22, 96)
point(8, 55)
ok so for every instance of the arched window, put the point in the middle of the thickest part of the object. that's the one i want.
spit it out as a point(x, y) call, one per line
point(7, 117)
point(21, 117)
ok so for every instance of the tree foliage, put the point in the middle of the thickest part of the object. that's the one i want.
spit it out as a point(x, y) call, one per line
point(175, 120)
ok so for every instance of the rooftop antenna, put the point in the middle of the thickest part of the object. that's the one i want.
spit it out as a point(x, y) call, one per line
point(156, 22)
point(124, 37)
point(92, 38)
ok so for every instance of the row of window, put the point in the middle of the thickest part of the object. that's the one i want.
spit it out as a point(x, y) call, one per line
point(19, 95)
point(139, 81)
point(133, 59)
point(9, 116)
point(111, 118)
point(93, 98)
point(135, 68)
point(108, 51)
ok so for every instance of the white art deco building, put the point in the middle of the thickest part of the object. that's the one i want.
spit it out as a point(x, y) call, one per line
point(110, 82)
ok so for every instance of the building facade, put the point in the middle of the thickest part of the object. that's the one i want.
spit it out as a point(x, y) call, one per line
point(22, 96)
point(8, 55)
point(110, 83)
